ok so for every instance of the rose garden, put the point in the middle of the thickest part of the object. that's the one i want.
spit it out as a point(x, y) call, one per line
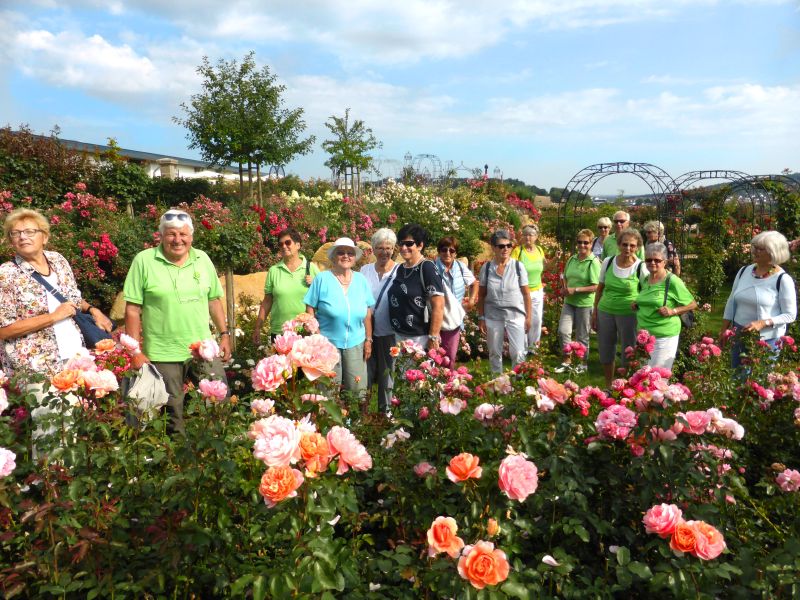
point(527, 485)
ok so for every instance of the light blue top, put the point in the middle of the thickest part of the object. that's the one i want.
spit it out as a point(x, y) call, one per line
point(458, 279)
point(341, 316)
point(754, 299)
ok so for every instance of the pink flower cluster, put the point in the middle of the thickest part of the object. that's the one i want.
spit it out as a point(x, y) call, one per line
point(82, 375)
point(615, 422)
point(314, 354)
point(213, 390)
point(788, 480)
point(518, 477)
point(303, 324)
point(575, 349)
point(697, 538)
point(705, 349)
point(787, 341)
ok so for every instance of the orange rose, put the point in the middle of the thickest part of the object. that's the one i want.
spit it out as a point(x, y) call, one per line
point(315, 453)
point(463, 467)
point(442, 537)
point(684, 537)
point(492, 527)
point(279, 483)
point(66, 381)
point(483, 565)
point(104, 346)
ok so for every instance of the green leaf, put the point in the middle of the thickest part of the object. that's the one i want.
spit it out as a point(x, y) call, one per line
point(581, 532)
point(623, 556)
point(327, 580)
point(515, 590)
point(640, 570)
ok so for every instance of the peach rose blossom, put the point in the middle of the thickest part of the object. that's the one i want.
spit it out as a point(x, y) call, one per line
point(315, 453)
point(352, 453)
point(213, 390)
point(518, 477)
point(100, 382)
point(553, 390)
point(276, 442)
point(442, 537)
point(315, 355)
point(7, 462)
point(206, 350)
point(283, 343)
point(684, 537)
point(464, 466)
point(662, 519)
point(67, 380)
point(82, 361)
point(104, 346)
point(483, 565)
point(492, 527)
point(709, 543)
point(271, 373)
point(279, 483)
point(262, 406)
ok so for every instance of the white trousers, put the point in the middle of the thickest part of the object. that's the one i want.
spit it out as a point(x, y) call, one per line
point(664, 353)
point(537, 309)
point(495, 332)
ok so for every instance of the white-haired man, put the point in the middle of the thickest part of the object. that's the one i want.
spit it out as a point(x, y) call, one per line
point(622, 221)
point(170, 292)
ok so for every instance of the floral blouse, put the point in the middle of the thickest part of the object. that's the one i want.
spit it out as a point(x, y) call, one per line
point(22, 297)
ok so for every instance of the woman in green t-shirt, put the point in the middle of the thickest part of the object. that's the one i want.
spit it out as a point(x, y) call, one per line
point(532, 258)
point(659, 304)
point(613, 317)
point(580, 278)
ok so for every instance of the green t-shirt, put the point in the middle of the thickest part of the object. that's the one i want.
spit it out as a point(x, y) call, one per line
point(581, 273)
point(287, 289)
point(533, 263)
point(610, 248)
point(174, 301)
point(619, 292)
point(651, 298)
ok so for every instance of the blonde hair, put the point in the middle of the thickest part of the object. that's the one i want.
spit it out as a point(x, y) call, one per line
point(21, 214)
point(775, 244)
point(587, 233)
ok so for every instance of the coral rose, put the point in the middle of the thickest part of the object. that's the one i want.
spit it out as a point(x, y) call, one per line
point(67, 380)
point(315, 355)
point(442, 537)
point(483, 565)
point(464, 466)
point(352, 453)
point(709, 543)
point(213, 390)
point(662, 519)
point(553, 390)
point(276, 441)
point(271, 373)
point(315, 453)
point(279, 483)
point(101, 382)
point(104, 346)
point(518, 478)
point(684, 537)
point(492, 527)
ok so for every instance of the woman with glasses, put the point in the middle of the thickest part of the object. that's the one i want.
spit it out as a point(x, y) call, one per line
point(286, 284)
point(654, 232)
point(580, 279)
point(504, 303)
point(462, 284)
point(532, 257)
point(379, 275)
point(342, 302)
point(416, 294)
point(621, 222)
point(37, 329)
point(603, 229)
point(663, 297)
point(613, 317)
point(763, 298)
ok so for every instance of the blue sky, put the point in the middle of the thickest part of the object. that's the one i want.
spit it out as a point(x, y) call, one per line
point(537, 89)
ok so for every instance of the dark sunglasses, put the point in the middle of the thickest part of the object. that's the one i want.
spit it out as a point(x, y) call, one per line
point(620, 220)
point(179, 216)
point(654, 260)
point(581, 243)
point(407, 243)
point(287, 243)
point(504, 246)
point(345, 253)
point(603, 226)
point(448, 250)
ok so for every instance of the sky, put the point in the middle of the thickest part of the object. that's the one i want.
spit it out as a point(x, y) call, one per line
point(536, 89)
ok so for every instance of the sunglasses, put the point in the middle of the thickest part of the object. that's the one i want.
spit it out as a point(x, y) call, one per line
point(287, 243)
point(345, 253)
point(603, 226)
point(504, 246)
point(179, 216)
point(407, 243)
point(620, 220)
point(582, 243)
point(447, 250)
point(654, 260)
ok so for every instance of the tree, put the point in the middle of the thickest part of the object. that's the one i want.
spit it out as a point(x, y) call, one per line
point(239, 118)
point(352, 144)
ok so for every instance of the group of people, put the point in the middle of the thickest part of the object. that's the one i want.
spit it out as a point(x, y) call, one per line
point(614, 283)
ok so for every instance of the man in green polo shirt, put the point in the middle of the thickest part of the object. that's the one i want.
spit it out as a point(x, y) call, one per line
point(622, 221)
point(170, 292)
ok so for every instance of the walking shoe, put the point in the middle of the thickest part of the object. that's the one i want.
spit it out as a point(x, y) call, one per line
point(581, 368)
point(562, 369)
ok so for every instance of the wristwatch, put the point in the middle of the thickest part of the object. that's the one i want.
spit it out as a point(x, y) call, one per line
point(435, 338)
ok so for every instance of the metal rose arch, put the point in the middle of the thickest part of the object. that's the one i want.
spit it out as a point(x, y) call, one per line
point(575, 197)
point(745, 188)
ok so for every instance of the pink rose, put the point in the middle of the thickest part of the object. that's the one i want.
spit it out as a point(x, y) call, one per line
point(101, 382)
point(545, 404)
point(261, 406)
point(7, 462)
point(284, 342)
point(697, 421)
point(316, 398)
point(788, 480)
point(424, 413)
point(352, 453)
point(708, 543)
point(315, 355)
point(206, 350)
point(553, 390)
point(662, 519)
point(213, 390)
point(615, 422)
point(271, 372)
point(82, 361)
point(486, 412)
point(129, 343)
point(3, 400)
point(518, 478)
point(276, 441)
point(451, 406)
point(424, 469)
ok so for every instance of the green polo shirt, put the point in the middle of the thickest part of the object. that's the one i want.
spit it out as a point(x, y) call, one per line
point(174, 301)
point(610, 248)
point(288, 288)
point(619, 292)
point(581, 273)
point(533, 263)
point(651, 298)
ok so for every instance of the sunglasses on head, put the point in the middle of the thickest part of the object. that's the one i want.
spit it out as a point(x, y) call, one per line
point(503, 246)
point(448, 250)
point(179, 216)
point(407, 243)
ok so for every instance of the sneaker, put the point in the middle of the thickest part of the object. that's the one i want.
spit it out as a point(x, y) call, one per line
point(581, 368)
point(562, 369)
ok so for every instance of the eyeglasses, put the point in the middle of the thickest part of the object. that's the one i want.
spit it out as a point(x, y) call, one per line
point(447, 250)
point(180, 216)
point(603, 226)
point(503, 246)
point(582, 243)
point(345, 253)
point(620, 220)
point(287, 243)
point(407, 243)
point(628, 245)
point(654, 260)
point(29, 233)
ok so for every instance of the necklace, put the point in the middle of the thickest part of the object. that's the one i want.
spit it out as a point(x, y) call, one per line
point(409, 270)
point(346, 281)
point(765, 275)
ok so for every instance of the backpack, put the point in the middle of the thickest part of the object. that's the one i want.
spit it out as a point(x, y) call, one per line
point(688, 318)
point(453, 314)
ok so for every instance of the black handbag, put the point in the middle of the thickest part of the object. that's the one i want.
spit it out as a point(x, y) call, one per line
point(91, 332)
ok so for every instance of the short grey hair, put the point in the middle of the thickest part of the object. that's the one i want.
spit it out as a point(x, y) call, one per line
point(604, 221)
point(656, 248)
point(530, 228)
point(630, 232)
point(384, 234)
point(175, 223)
point(654, 226)
point(500, 234)
point(774, 243)
point(622, 213)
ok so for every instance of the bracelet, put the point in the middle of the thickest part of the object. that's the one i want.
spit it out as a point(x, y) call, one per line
point(481, 318)
point(226, 332)
point(89, 309)
point(368, 340)
point(435, 338)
